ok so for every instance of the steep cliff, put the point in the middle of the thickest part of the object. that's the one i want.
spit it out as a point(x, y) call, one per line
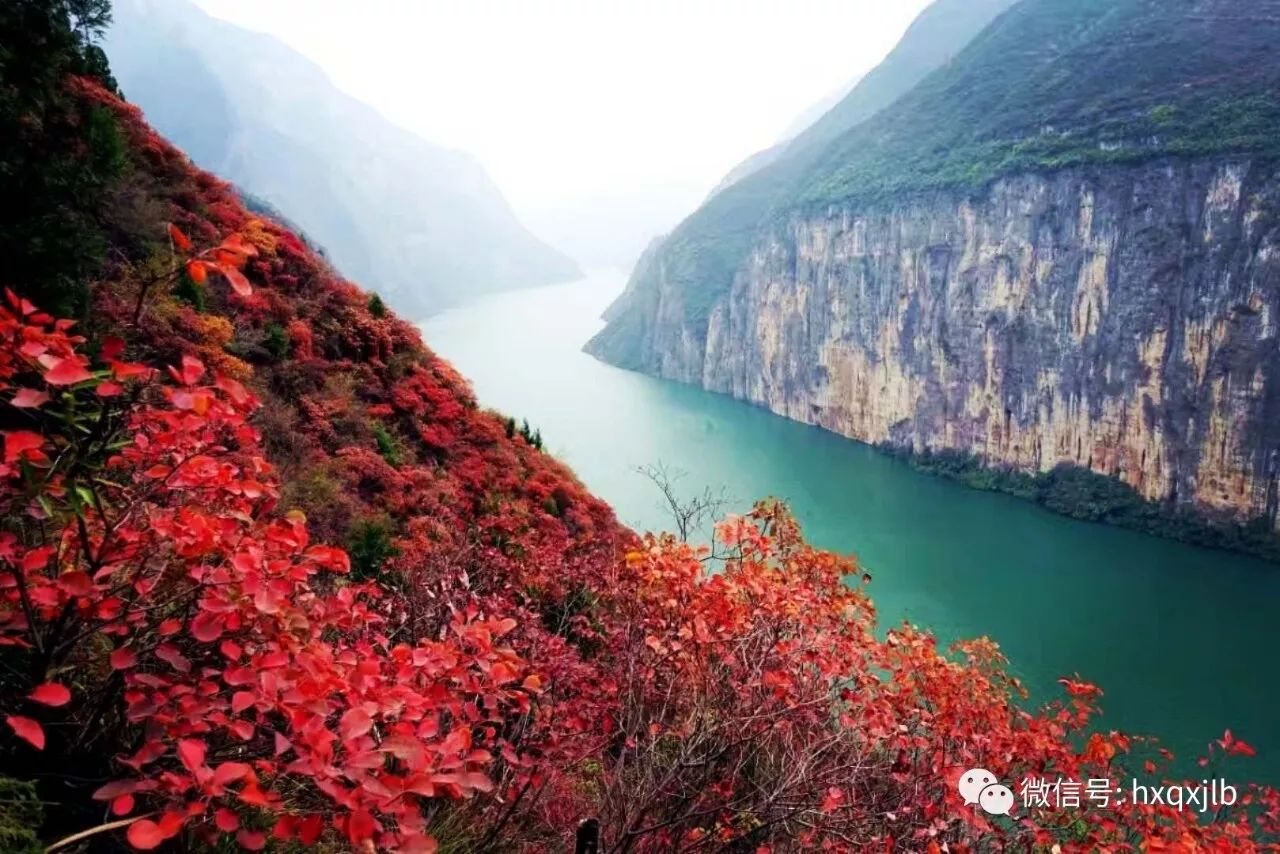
point(1059, 249)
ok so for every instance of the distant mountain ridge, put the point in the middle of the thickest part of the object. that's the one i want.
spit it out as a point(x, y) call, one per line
point(422, 224)
point(934, 37)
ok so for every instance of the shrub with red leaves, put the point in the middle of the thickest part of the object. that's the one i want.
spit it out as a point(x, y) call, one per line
point(149, 588)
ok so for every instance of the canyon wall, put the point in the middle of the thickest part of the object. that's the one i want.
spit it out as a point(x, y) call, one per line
point(1120, 319)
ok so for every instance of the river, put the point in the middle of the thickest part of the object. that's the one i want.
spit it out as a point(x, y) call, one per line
point(1183, 641)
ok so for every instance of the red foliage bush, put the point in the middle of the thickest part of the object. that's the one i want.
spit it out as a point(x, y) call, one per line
point(152, 572)
point(757, 704)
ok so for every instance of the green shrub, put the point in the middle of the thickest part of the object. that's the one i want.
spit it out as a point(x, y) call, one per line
point(190, 291)
point(369, 546)
point(388, 447)
point(532, 436)
point(277, 342)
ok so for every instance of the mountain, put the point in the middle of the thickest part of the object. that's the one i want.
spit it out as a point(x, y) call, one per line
point(798, 125)
point(423, 225)
point(1058, 251)
point(932, 40)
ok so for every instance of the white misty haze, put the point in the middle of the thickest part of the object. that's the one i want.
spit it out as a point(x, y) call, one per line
point(603, 122)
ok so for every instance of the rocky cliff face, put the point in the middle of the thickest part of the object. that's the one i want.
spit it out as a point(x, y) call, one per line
point(1122, 319)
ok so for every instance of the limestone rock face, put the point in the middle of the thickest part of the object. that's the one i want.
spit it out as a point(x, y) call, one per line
point(1122, 319)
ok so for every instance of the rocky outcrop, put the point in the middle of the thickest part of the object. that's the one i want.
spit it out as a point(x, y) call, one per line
point(1121, 319)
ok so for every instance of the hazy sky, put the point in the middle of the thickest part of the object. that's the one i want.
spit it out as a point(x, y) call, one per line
point(563, 100)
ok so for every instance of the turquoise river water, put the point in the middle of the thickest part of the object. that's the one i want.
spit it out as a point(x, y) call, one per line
point(1183, 641)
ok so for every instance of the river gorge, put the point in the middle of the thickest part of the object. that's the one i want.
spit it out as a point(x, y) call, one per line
point(1179, 638)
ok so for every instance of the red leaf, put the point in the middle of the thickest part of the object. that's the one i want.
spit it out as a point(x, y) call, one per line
point(236, 243)
point(192, 371)
point(170, 655)
point(51, 694)
point(68, 371)
point(286, 828)
point(144, 834)
point(76, 583)
point(331, 558)
point(123, 658)
point(242, 700)
point(198, 271)
point(19, 442)
point(476, 780)
point(226, 820)
point(310, 829)
point(253, 796)
point(232, 389)
point(251, 840)
point(191, 751)
point(502, 673)
point(355, 723)
point(115, 789)
point(237, 281)
point(465, 781)
point(180, 240)
point(112, 348)
point(405, 748)
point(21, 305)
point(207, 626)
point(229, 772)
point(240, 676)
point(122, 805)
point(29, 398)
point(360, 826)
point(27, 729)
point(129, 370)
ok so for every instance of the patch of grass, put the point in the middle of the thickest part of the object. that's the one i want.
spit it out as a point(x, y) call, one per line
point(21, 812)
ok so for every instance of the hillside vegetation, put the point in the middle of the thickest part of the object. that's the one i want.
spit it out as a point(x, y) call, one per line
point(1050, 84)
point(273, 580)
